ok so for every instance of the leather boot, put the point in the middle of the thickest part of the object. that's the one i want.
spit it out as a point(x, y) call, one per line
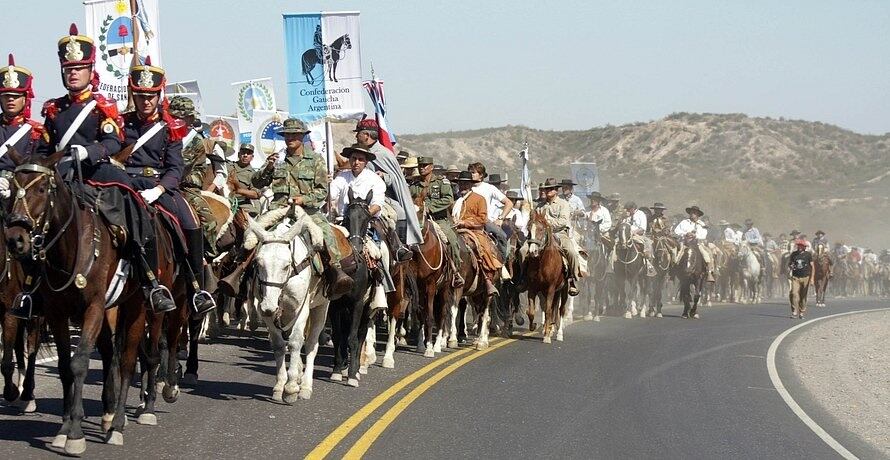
point(401, 253)
point(573, 288)
point(456, 280)
point(158, 296)
point(202, 301)
point(339, 283)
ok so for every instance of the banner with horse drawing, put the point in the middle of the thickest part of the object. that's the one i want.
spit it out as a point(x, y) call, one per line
point(324, 66)
point(587, 178)
point(110, 24)
point(251, 95)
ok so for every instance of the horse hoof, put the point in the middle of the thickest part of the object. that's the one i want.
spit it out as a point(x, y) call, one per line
point(402, 342)
point(452, 344)
point(628, 315)
point(429, 353)
point(59, 441)
point(336, 377)
point(276, 395)
point(291, 398)
point(182, 355)
point(352, 382)
point(27, 407)
point(305, 394)
point(388, 363)
point(547, 340)
point(11, 393)
point(695, 316)
point(437, 348)
point(171, 393)
point(107, 420)
point(190, 379)
point(559, 337)
point(596, 319)
point(481, 345)
point(659, 315)
point(76, 446)
point(588, 317)
point(363, 370)
point(114, 438)
point(147, 419)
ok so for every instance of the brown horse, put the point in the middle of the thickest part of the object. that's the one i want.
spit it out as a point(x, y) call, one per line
point(71, 257)
point(691, 275)
point(474, 293)
point(822, 274)
point(545, 278)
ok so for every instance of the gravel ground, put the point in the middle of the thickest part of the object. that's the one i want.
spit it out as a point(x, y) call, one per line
point(844, 364)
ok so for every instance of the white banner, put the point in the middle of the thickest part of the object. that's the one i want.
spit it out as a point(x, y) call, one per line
point(109, 23)
point(188, 89)
point(222, 128)
point(252, 95)
point(587, 178)
point(266, 139)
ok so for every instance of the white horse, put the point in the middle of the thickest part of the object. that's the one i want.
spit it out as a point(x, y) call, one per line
point(749, 274)
point(289, 294)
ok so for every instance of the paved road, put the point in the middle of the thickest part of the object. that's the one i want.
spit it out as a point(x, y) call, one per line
point(654, 388)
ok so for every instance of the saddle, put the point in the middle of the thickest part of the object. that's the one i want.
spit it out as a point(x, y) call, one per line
point(484, 248)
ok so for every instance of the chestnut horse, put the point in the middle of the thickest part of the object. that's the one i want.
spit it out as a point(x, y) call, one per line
point(72, 257)
point(822, 264)
point(433, 282)
point(545, 278)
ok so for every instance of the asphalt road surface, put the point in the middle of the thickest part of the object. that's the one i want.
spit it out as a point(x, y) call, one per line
point(641, 388)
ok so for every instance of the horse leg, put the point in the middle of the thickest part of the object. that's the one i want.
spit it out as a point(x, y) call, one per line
point(109, 351)
point(317, 317)
point(128, 335)
point(339, 335)
point(175, 322)
point(453, 311)
point(79, 367)
point(548, 314)
point(150, 363)
point(190, 377)
point(531, 311)
point(484, 320)
point(391, 328)
point(11, 333)
point(562, 313)
point(295, 344)
point(358, 324)
point(428, 318)
point(279, 349)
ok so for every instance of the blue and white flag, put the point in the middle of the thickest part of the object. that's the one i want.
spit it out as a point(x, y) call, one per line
point(251, 95)
point(324, 66)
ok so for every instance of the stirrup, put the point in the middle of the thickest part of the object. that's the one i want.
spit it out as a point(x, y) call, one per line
point(161, 304)
point(202, 302)
point(403, 254)
point(22, 306)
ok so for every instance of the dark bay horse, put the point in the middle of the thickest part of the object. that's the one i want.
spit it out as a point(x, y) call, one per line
point(663, 250)
point(350, 314)
point(71, 256)
point(691, 275)
point(433, 274)
point(597, 267)
point(546, 278)
point(629, 270)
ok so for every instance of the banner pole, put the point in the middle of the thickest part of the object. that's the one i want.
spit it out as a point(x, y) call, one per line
point(329, 147)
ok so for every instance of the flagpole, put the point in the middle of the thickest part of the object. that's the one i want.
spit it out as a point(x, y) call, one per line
point(329, 147)
point(135, 61)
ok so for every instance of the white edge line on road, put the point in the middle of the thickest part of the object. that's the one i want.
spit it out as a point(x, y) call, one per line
point(798, 411)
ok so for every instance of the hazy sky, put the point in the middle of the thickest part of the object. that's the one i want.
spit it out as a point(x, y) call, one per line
point(551, 65)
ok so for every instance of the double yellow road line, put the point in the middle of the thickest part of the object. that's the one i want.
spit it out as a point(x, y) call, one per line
point(364, 443)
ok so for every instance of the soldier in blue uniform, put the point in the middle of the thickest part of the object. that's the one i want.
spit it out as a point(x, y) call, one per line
point(16, 127)
point(156, 166)
point(89, 127)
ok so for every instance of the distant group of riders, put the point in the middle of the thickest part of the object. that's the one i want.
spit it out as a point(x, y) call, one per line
point(135, 225)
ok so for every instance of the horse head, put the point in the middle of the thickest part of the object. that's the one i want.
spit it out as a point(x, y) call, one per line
point(357, 217)
point(36, 189)
point(625, 235)
point(346, 43)
point(539, 234)
point(277, 267)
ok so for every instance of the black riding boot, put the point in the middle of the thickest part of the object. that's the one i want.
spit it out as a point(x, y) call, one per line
point(158, 296)
point(403, 254)
point(202, 301)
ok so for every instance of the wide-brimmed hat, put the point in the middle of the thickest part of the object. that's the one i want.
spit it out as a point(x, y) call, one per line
point(146, 78)
point(596, 196)
point(293, 126)
point(496, 179)
point(630, 205)
point(749, 222)
point(614, 196)
point(567, 183)
point(350, 151)
point(819, 232)
point(723, 222)
point(794, 232)
point(437, 168)
point(658, 205)
point(549, 183)
point(513, 195)
point(76, 49)
point(466, 176)
point(403, 154)
point(452, 169)
point(410, 162)
point(695, 209)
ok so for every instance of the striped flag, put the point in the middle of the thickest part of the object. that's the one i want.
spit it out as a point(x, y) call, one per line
point(375, 91)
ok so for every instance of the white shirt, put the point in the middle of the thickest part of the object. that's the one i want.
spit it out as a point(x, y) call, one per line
point(687, 225)
point(730, 235)
point(366, 181)
point(521, 221)
point(494, 198)
point(575, 202)
point(603, 216)
point(638, 223)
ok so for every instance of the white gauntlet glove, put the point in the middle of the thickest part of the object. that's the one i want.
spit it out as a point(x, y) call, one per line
point(4, 187)
point(78, 152)
point(268, 194)
point(151, 195)
point(220, 180)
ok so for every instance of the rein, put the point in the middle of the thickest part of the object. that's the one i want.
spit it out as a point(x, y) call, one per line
point(628, 244)
point(441, 250)
point(295, 268)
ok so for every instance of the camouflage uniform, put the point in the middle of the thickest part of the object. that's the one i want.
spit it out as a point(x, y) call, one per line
point(438, 202)
point(302, 174)
point(244, 176)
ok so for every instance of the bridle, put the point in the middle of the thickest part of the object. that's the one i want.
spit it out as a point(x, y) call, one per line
point(294, 268)
point(626, 241)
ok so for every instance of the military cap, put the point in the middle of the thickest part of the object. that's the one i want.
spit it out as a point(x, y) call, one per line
point(15, 79)
point(181, 107)
point(424, 160)
point(293, 126)
point(76, 49)
point(146, 78)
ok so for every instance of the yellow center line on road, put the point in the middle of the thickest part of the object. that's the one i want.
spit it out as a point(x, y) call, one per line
point(330, 442)
point(364, 443)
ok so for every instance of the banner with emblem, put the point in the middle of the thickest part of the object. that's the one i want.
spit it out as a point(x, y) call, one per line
point(188, 89)
point(251, 95)
point(324, 66)
point(222, 128)
point(266, 138)
point(110, 24)
point(587, 178)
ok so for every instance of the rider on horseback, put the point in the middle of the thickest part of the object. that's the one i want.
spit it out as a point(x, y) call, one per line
point(496, 213)
point(638, 226)
point(558, 214)
point(439, 198)
point(693, 232)
point(302, 180)
point(470, 213)
point(155, 167)
point(753, 238)
point(16, 127)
